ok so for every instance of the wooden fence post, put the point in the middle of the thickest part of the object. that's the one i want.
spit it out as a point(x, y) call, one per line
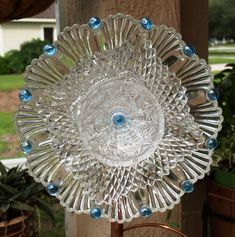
point(188, 17)
point(80, 11)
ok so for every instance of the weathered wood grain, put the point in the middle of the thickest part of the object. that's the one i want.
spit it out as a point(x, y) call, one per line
point(188, 17)
point(80, 11)
point(194, 24)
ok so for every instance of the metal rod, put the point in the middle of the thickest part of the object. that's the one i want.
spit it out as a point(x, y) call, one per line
point(155, 225)
point(116, 229)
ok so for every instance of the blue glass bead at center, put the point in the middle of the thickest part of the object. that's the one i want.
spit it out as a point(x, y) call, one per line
point(49, 50)
point(146, 23)
point(25, 95)
point(26, 147)
point(119, 120)
point(52, 189)
point(145, 211)
point(95, 212)
point(187, 186)
point(94, 23)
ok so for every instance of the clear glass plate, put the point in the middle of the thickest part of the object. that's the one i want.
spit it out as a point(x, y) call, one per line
point(119, 118)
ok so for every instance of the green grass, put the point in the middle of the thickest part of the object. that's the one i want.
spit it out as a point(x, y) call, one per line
point(7, 128)
point(11, 82)
point(228, 45)
point(222, 54)
point(220, 60)
point(8, 148)
point(3, 147)
point(7, 125)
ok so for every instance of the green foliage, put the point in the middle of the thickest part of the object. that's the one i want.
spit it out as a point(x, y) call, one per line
point(7, 123)
point(19, 193)
point(221, 19)
point(15, 61)
point(4, 69)
point(224, 156)
point(56, 230)
point(11, 82)
point(31, 50)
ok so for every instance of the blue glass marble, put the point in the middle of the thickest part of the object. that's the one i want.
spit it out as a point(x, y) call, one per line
point(211, 143)
point(189, 50)
point(213, 94)
point(145, 211)
point(119, 120)
point(52, 189)
point(26, 147)
point(95, 212)
point(146, 23)
point(187, 186)
point(49, 50)
point(25, 95)
point(94, 23)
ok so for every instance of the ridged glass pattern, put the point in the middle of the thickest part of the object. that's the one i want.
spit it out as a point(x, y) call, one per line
point(119, 118)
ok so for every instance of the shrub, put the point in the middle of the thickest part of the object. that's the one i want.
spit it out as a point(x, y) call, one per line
point(224, 156)
point(4, 69)
point(30, 50)
point(15, 61)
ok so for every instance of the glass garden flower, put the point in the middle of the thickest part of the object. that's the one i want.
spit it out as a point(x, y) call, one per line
point(118, 118)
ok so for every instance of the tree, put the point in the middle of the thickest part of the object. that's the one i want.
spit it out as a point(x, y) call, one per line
point(221, 19)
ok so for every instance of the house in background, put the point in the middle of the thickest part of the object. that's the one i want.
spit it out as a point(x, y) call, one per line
point(14, 33)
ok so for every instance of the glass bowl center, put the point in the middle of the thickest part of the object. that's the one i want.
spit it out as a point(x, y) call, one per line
point(121, 122)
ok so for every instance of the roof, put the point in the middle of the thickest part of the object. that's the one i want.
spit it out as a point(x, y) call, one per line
point(49, 13)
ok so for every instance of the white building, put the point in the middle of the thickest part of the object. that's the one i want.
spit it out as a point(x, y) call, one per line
point(14, 33)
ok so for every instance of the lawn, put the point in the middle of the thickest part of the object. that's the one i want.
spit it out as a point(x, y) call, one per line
point(8, 139)
point(7, 123)
point(222, 54)
point(9, 143)
point(11, 82)
point(220, 60)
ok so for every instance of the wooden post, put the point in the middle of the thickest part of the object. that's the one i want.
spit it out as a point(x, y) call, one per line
point(188, 17)
point(194, 24)
point(194, 29)
point(80, 11)
point(116, 230)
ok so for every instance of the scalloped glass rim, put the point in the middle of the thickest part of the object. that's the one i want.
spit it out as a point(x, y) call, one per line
point(162, 44)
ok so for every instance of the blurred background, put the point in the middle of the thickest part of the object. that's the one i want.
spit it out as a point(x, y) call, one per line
point(221, 33)
point(22, 40)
